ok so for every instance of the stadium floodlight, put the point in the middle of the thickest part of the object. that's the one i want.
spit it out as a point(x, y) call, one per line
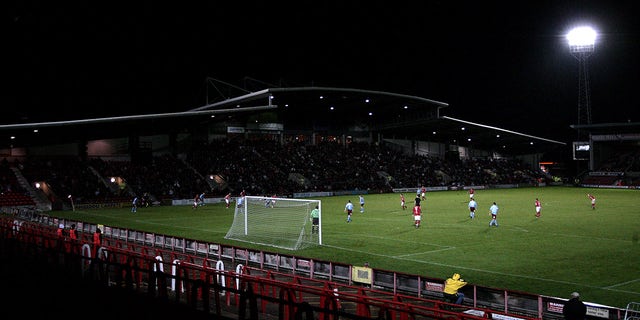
point(581, 44)
point(73, 207)
point(582, 39)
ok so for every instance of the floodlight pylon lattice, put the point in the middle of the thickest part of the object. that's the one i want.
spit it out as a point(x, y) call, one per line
point(581, 45)
point(584, 89)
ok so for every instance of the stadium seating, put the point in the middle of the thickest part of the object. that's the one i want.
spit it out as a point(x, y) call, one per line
point(268, 167)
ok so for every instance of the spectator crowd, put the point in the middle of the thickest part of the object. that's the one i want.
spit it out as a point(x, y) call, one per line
point(263, 167)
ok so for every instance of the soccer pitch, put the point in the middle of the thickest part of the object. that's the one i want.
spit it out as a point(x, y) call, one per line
point(571, 247)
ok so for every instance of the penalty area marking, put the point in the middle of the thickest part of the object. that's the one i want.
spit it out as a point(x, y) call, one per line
point(424, 252)
point(622, 283)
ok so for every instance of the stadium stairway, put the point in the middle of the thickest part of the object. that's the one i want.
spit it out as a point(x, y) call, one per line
point(39, 198)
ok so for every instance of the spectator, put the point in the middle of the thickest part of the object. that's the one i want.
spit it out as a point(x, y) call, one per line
point(97, 242)
point(97, 238)
point(72, 233)
point(574, 308)
point(60, 231)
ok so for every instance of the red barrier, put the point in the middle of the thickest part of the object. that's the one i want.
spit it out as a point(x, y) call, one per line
point(195, 281)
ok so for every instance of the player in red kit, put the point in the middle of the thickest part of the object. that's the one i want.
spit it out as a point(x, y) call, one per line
point(196, 199)
point(403, 203)
point(593, 200)
point(538, 207)
point(227, 200)
point(417, 213)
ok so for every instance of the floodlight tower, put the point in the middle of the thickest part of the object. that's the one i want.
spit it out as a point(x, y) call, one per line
point(581, 44)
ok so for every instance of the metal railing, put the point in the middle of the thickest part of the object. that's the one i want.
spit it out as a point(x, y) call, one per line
point(163, 252)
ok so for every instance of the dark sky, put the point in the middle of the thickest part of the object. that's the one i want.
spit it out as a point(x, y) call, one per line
point(502, 64)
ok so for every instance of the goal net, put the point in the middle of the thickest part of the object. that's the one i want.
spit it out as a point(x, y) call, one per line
point(277, 222)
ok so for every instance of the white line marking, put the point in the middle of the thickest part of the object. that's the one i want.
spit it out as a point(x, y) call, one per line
point(622, 283)
point(486, 271)
point(425, 252)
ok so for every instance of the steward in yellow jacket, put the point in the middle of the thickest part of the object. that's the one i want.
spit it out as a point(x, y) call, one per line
point(451, 287)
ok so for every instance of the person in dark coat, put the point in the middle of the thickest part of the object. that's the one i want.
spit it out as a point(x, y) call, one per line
point(574, 308)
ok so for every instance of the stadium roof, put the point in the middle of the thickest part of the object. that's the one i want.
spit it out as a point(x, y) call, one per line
point(325, 110)
point(394, 116)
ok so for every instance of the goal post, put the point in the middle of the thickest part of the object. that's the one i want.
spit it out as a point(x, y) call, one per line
point(278, 222)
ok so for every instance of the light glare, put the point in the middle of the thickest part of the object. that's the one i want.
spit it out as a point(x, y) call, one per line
point(582, 36)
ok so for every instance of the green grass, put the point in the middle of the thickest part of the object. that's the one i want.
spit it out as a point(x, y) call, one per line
point(569, 248)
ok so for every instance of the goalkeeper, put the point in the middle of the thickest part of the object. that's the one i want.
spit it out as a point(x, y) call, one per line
point(315, 220)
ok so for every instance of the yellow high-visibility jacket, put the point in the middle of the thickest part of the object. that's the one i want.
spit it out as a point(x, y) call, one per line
point(454, 283)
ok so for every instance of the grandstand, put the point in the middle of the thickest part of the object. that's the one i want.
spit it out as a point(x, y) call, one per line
point(268, 166)
point(304, 119)
point(614, 155)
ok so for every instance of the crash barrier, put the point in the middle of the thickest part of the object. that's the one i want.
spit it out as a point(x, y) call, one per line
point(225, 267)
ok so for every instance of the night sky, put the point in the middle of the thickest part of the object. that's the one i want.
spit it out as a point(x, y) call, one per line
point(501, 64)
